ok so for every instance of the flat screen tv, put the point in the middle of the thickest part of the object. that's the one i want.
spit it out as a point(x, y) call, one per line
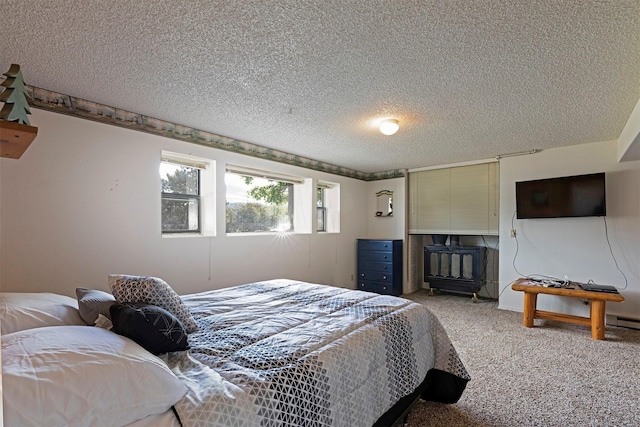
point(568, 196)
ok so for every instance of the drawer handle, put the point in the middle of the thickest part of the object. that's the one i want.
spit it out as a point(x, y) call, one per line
point(385, 257)
point(362, 284)
point(362, 274)
point(384, 288)
point(384, 277)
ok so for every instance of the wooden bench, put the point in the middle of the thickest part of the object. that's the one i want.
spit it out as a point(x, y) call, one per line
point(598, 300)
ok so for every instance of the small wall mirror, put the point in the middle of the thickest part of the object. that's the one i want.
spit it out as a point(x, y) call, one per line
point(384, 199)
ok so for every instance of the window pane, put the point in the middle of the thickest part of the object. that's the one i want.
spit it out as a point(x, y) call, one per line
point(321, 210)
point(321, 225)
point(320, 197)
point(179, 179)
point(180, 198)
point(258, 204)
point(180, 214)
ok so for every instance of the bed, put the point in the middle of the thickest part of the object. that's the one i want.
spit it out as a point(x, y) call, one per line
point(271, 353)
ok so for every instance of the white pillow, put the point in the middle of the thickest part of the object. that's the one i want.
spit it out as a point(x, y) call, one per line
point(22, 310)
point(154, 291)
point(82, 376)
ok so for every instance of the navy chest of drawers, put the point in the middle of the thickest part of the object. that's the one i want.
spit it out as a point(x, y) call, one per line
point(380, 266)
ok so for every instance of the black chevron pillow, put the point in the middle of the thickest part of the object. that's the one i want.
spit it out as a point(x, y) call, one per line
point(153, 327)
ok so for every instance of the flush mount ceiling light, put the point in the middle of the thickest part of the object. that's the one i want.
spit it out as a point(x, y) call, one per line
point(389, 126)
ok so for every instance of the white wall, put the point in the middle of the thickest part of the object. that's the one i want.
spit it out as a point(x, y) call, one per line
point(382, 227)
point(84, 202)
point(393, 227)
point(575, 247)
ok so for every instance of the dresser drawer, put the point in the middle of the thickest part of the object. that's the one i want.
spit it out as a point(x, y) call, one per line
point(377, 276)
point(375, 256)
point(377, 287)
point(364, 264)
point(375, 245)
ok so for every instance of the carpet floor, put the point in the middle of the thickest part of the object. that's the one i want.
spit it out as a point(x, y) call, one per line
point(551, 375)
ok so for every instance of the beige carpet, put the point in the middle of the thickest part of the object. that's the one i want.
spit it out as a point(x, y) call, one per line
point(551, 375)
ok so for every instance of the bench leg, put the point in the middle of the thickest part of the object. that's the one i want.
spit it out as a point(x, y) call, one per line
point(529, 309)
point(597, 319)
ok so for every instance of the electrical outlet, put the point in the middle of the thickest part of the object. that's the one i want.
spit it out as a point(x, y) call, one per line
point(513, 232)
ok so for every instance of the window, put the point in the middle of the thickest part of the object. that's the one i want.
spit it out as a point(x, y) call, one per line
point(321, 209)
point(180, 198)
point(259, 201)
point(328, 207)
point(181, 189)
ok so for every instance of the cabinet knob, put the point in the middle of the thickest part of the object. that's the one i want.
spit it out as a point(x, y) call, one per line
point(362, 284)
point(362, 274)
point(384, 277)
point(385, 257)
point(384, 288)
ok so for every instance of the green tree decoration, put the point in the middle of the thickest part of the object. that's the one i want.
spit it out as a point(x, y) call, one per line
point(15, 107)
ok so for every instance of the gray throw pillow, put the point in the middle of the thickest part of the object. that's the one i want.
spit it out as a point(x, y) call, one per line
point(154, 291)
point(92, 303)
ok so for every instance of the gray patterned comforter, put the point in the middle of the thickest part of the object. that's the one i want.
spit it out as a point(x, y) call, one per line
point(288, 353)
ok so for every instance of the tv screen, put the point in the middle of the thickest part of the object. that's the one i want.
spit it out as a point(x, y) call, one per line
point(569, 196)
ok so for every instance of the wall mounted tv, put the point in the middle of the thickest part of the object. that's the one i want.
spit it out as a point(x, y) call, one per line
point(568, 196)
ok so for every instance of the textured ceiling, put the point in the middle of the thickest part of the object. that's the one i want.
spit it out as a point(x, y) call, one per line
point(467, 80)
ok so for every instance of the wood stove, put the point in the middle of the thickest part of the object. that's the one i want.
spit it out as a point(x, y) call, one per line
point(455, 268)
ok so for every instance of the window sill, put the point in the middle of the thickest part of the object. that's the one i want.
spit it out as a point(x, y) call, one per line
point(184, 235)
point(268, 233)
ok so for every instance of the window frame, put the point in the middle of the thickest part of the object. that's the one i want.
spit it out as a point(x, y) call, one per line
point(203, 168)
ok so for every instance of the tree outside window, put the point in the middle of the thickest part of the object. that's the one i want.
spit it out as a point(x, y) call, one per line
point(257, 205)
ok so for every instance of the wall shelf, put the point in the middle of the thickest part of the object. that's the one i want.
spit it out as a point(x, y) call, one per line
point(15, 138)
